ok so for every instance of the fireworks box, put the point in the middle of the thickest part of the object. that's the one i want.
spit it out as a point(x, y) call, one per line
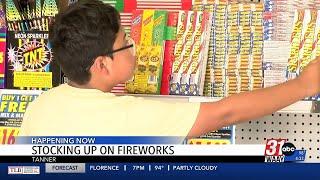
point(222, 136)
point(169, 52)
point(295, 44)
point(3, 34)
point(191, 52)
point(209, 141)
point(148, 31)
point(31, 15)
point(316, 46)
point(29, 61)
point(29, 56)
point(237, 49)
point(186, 26)
point(307, 42)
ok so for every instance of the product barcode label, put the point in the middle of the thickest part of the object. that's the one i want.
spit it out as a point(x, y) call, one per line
point(152, 80)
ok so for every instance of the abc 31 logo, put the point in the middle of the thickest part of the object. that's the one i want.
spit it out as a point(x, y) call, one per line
point(279, 147)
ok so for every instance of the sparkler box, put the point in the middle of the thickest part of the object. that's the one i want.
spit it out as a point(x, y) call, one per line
point(29, 56)
point(32, 15)
point(29, 61)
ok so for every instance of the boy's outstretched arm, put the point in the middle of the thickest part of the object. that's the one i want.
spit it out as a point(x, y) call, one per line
point(251, 105)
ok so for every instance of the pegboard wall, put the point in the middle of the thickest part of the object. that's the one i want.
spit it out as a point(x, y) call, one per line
point(302, 130)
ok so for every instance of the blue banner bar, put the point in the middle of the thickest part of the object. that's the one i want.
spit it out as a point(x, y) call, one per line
point(100, 140)
point(218, 170)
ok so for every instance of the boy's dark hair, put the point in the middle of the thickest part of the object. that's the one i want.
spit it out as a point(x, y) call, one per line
point(80, 34)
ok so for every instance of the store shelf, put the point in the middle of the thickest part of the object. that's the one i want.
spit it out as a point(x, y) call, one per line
point(298, 107)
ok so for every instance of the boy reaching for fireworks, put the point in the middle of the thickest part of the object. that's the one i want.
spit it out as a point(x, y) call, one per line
point(95, 54)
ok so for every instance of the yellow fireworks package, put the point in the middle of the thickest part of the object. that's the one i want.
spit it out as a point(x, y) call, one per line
point(209, 142)
point(295, 43)
point(223, 136)
point(148, 31)
point(154, 69)
point(307, 42)
point(316, 43)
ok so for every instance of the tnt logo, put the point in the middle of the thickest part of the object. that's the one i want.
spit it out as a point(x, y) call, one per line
point(278, 150)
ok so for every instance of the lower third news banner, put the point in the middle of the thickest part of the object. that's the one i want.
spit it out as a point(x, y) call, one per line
point(123, 149)
point(134, 155)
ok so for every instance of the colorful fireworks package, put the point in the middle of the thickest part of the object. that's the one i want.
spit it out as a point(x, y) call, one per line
point(29, 55)
point(293, 61)
point(3, 34)
point(307, 40)
point(224, 136)
point(191, 52)
point(148, 32)
point(29, 59)
point(29, 15)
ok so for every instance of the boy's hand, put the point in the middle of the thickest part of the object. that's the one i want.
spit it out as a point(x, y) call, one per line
point(310, 78)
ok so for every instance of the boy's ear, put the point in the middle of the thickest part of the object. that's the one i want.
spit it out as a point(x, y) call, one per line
point(103, 64)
